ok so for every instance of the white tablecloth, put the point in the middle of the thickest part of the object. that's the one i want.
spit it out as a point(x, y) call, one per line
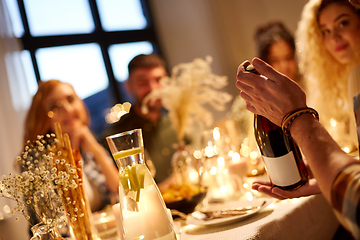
point(303, 218)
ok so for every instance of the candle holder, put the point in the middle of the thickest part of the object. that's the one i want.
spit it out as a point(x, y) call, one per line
point(143, 213)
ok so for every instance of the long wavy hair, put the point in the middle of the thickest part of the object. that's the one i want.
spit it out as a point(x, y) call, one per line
point(37, 121)
point(327, 78)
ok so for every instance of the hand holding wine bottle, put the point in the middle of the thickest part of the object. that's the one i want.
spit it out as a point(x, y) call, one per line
point(273, 95)
point(280, 153)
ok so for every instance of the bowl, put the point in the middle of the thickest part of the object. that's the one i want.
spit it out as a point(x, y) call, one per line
point(187, 205)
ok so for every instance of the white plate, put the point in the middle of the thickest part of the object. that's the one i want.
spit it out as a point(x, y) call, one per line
point(243, 203)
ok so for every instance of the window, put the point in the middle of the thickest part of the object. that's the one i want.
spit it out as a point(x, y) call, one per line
point(87, 43)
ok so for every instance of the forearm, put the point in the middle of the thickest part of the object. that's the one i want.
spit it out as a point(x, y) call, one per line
point(324, 156)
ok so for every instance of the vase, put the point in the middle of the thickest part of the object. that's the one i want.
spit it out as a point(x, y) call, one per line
point(44, 232)
point(142, 213)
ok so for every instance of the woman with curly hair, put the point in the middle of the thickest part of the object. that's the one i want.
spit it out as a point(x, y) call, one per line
point(330, 34)
point(328, 51)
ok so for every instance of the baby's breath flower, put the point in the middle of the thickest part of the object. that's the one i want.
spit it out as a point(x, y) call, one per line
point(34, 190)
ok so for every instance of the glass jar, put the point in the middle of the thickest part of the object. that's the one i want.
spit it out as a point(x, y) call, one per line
point(142, 212)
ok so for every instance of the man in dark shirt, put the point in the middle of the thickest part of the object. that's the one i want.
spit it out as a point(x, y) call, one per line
point(145, 72)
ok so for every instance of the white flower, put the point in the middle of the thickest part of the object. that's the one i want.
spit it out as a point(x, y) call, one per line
point(186, 93)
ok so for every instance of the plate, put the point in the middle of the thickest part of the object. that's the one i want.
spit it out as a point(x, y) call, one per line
point(243, 203)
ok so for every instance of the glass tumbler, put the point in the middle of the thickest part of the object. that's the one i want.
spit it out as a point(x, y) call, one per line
point(143, 213)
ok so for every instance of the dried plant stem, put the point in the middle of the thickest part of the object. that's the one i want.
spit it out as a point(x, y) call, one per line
point(74, 199)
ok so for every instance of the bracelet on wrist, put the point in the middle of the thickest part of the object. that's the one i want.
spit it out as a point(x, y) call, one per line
point(291, 116)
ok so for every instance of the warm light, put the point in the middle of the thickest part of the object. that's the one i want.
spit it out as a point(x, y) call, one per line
point(346, 149)
point(193, 175)
point(223, 189)
point(117, 111)
point(254, 172)
point(235, 157)
point(213, 170)
point(7, 209)
point(197, 154)
point(253, 155)
point(209, 151)
point(141, 237)
point(245, 150)
point(245, 185)
point(230, 153)
point(221, 161)
point(190, 226)
point(249, 196)
point(333, 122)
point(216, 133)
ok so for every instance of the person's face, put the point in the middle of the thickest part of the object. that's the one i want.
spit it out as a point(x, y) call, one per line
point(340, 27)
point(143, 81)
point(282, 58)
point(63, 106)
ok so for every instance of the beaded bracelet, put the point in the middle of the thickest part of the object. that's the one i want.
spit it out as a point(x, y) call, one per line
point(290, 117)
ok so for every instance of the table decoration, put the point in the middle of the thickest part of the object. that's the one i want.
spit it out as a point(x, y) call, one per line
point(142, 213)
point(74, 199)
point(222, 184)
point(45, 190)
point(105, 224)
point(187, 94)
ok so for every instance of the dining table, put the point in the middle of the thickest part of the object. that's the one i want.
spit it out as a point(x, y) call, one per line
point(302, 218)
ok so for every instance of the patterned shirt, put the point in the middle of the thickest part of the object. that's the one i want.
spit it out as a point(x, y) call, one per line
point(345, 191)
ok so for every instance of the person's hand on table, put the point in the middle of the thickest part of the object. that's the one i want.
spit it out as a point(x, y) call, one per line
point(272, 95)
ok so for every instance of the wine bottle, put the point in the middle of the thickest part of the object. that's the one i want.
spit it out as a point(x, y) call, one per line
point(282, 156)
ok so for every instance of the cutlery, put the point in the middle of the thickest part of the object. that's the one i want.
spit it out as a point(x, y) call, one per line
point(226, 212)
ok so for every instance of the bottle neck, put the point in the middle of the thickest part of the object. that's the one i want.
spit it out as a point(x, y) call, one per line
point(265, 123)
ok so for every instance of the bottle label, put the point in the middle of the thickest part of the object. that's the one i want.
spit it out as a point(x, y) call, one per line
point(283, 170)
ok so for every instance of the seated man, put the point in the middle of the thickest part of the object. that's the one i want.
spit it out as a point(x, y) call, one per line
point(159, 137)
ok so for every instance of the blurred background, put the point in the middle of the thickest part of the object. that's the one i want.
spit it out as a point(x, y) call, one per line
point(89, 43)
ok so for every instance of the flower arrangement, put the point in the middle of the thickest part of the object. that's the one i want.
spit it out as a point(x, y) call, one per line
point(33, 190)
point(49, 189)
point(186, 93)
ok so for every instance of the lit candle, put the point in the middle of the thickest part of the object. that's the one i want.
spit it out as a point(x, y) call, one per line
point(151, 221)
point(238, 166)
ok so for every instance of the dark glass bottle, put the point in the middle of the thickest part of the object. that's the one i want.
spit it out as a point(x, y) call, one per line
point(282, 156)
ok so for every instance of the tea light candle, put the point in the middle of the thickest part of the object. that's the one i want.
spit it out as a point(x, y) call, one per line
point(151, 220)
point(238, 166)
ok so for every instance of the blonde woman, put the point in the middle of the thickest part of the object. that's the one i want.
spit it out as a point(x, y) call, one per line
point(327, 52)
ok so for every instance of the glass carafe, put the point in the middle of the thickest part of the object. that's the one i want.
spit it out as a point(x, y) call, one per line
point(143, 214)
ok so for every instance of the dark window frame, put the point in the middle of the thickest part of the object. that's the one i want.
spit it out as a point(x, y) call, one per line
point(99, 36)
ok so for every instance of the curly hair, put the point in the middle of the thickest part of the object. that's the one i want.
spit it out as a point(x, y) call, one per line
point(327, 78)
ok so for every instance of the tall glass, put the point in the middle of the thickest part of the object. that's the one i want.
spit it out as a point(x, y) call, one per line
point(143, 214)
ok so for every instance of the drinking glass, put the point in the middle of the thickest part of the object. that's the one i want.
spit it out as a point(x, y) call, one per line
point(143, 213)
